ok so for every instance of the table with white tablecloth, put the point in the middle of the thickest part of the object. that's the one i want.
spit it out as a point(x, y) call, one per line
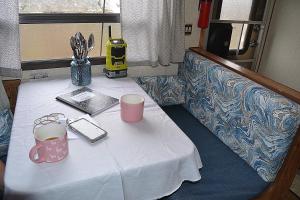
point(144, 160)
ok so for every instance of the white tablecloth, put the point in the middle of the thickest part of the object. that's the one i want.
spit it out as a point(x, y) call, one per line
point(145, 160)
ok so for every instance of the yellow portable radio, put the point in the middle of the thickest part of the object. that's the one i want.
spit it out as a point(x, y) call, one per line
point(116, 66)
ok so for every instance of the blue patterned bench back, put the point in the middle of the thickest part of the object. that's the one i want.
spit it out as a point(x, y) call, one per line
point(6, 120)
point(165, 90)
point(255, 122)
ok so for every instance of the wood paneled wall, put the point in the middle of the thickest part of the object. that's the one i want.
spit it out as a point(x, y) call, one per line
point(11, 88)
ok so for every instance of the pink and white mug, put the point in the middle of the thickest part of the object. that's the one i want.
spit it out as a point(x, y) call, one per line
point(132, 107)
point(51, 143)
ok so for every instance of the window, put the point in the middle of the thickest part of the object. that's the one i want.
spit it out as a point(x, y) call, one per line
point(243, 16)
point(69, 6)
point(238, 36)
point(236, 10)
point(47, 25)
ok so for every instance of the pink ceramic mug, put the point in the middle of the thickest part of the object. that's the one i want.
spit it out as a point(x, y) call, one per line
point(51, 143)
point(132, 107)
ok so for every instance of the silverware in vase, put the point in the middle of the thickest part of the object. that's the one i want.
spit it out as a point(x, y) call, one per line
point(80, 46)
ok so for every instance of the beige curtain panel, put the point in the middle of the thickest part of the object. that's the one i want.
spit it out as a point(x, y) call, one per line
point(153, 30)
point(9, 39)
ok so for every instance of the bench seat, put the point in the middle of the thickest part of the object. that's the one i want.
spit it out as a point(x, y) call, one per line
point(225, 176)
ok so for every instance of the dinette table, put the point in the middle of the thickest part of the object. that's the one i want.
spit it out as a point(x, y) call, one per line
point(148, 159)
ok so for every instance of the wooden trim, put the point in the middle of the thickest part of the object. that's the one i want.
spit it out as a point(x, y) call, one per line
point(2, 170)
point(292, 196)
point(279, 189)
point(56, 63)
point(258, 78)
point(54, 18)
point(11, 88)
point(202, 39)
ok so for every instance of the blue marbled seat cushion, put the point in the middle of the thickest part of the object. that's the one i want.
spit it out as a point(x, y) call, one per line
point(255, 122)
point(5, 130)
point(165, 90)
point(224, 176)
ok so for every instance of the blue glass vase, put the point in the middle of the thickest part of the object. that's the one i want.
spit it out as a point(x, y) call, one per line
point(81, 71)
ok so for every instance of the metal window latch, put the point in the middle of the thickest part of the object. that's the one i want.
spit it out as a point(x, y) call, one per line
point(256, 27)
point(253, 43)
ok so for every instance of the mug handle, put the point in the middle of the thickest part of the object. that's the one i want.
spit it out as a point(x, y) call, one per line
point(33, 152)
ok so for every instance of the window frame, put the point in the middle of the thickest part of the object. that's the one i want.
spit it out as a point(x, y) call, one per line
point(43, 18)
point(251, 23)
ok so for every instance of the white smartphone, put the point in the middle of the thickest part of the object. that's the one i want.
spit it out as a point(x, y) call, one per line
point(88, 129)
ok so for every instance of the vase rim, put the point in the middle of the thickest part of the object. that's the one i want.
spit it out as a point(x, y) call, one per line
point(80, 60)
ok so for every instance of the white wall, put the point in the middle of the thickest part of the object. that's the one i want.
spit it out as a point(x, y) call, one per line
point(191, 17)
point(281, 55)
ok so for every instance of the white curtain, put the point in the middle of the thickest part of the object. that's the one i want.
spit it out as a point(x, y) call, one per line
point(9, 39)
point(153, 30)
